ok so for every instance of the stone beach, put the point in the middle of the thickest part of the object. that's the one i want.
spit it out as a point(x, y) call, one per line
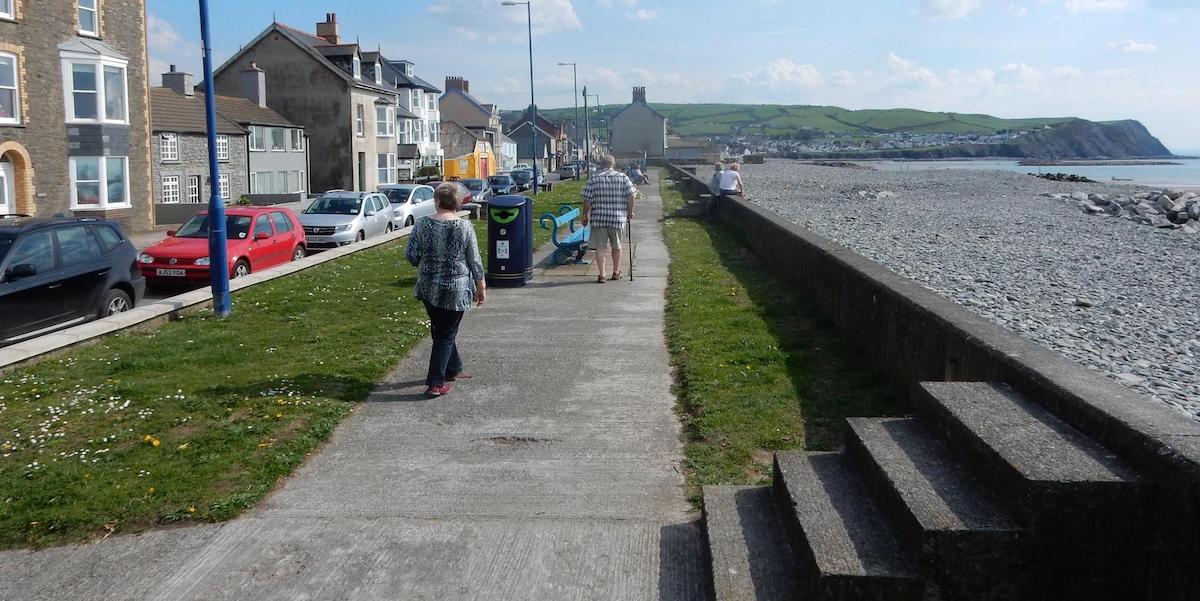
point(1109, 289)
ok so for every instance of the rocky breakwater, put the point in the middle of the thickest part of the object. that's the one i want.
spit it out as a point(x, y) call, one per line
point(1166, 209)
point(1115, 296)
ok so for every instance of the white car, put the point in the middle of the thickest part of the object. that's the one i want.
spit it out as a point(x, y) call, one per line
point(410, 202)
point(339, 218)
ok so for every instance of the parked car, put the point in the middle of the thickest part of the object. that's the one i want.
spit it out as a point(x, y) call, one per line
point(502, 184)
point(59, 272)
point(339, 218)
point(465, 195)
point(410, 202)
point(480, 189)
point(522, 167)
point(568, 172)
point(523, 178)
point(257, 238)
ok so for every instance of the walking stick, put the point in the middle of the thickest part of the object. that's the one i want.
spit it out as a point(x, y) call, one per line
point(632, 246)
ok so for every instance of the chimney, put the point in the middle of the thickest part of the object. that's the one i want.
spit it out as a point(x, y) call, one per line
point(458, 83)
point(328, 30)
point(179, 81)
point(254, 84)
point(639, 94)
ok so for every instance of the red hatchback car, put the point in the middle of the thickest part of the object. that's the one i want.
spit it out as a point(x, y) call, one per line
point(259, 238)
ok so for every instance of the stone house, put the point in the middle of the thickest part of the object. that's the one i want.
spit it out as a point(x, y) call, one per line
point(277, 149)
point(74, 116)
point(459, 106)
point(638, 131)
point(325, 86)
point(553, 145)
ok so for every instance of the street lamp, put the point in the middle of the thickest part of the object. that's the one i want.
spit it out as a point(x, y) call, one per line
point(218, 267)
point(599, 113)
point(532, 103)
point(575, 123)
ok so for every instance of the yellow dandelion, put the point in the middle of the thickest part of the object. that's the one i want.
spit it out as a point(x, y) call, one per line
point(191, 509)
point(150, 490)
point(183, 446)
point(155, 442)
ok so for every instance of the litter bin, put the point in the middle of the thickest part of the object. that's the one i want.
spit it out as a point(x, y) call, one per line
point(510, 241)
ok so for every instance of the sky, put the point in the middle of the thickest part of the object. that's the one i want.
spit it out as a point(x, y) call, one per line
point(1095, 59)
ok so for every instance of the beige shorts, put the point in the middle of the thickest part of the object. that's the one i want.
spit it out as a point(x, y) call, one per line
point(601, 238)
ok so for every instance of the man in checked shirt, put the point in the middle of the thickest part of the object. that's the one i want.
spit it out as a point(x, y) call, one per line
point(607, 207)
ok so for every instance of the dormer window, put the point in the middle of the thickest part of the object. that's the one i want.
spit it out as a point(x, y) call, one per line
point(357, 67)
point(378, 74)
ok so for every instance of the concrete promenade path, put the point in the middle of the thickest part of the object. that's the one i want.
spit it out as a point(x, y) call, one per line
point(552, 475)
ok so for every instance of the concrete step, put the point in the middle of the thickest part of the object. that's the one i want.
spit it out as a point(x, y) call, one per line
point(1081, 505)
point(748, 546)
point(969, 546)
point(848, 549)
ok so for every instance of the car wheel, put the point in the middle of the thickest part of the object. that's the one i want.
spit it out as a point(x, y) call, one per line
point(116, 301)
point(240, 269)
point(389, 228)
point(299, 253)
point(361, 236)
point(408, 222)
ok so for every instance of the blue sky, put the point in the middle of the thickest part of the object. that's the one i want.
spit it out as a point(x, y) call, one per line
point(1097, 59)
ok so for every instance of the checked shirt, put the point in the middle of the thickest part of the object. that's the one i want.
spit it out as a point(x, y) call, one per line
point(607, 191)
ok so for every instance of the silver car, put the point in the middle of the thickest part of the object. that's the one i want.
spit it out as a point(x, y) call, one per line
point(410, 202)
point(340, 218)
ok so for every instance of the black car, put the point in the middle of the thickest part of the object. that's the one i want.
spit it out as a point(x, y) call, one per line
point(59, 272)
point(502, 184)
point(523, 178)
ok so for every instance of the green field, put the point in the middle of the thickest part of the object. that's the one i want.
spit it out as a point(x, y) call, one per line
point(783, 120)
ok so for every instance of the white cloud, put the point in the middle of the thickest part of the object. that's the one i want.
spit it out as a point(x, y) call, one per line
point(781, 73)
point(948, 9)
point(1017, 10)
point(642, 14)
point(1130, 45)
point(167, 46)
point(549, 16)
point(1099, 6)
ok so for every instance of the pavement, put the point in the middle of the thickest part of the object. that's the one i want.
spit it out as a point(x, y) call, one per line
point(552, 474)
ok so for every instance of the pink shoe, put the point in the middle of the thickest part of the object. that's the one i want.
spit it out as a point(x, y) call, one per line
point(436, 391)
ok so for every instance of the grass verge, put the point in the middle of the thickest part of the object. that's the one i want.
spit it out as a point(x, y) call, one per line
point(758, 369)
point(200, 418)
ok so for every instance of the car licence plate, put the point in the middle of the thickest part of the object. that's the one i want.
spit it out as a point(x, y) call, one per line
point(318, 239)
point(176, 273)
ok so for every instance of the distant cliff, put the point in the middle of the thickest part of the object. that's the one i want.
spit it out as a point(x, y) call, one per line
point(1075, 139)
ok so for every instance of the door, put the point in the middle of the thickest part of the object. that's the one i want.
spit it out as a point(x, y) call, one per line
point(362, 171)
point(31, 303)
point(484, 171)
point(7, 188)
point(84, 270)
point(286, 238)
point(262, 252)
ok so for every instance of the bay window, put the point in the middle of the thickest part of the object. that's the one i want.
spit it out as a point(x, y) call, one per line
point(278, 139)
point(10, 88)
point(99, 183)
point(385, 122)
point(89, 17)
point(96, 89)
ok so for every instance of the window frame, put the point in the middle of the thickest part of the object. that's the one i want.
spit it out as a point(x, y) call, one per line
point(389, 159)
point(168, 141)
point(171, 183)
point(95, 10)
point(11, 13)
point(378, 73)
point(257, 147)
point(360, 120)
point(356, 66)
point(193, 182)
point(283, 142)
point(104, 204)
point(16, 89)
point(223, 185)
point(98, 64)
point(222, 147)
point(296, 140)
point(388, 122)
point(254, 182)
point(303, 183)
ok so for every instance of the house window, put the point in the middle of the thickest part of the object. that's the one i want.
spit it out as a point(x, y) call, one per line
point(258, 138)
point(387, 166)
point(95, 91)
point(193, 191)
point(416, 99)
point(281, 182)
point(430, 99)
point(294, 180)
point(7, 11)
point(254, 183)
point(6, 182)
point(99, 182)
point(10, 87)
point(433, 131)
point(89, 17)
point(222, 148)
point(302, 185)
point(378, 73)
point(168, 147)
point(224, 184)
point(357, 67)
point(278, 139)
point(170, 189)
point(385, 121)
point(360, 117)
point(296, 140)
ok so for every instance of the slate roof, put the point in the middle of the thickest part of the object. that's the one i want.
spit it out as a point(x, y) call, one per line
point(408, 151)
point(470, 99)
point(631, 104)
point(246, 112)
point(171, 111)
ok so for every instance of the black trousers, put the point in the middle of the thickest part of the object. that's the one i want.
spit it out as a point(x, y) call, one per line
point(443, 359)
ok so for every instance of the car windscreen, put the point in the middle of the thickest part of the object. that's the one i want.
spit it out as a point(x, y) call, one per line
point(474, 184)
point(335, 205)
point(237, 227)
point(522, 176)
point(398, 194)
point(6, 241)
point(500, 180)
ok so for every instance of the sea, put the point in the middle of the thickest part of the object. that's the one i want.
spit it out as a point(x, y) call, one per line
point(1184, 173)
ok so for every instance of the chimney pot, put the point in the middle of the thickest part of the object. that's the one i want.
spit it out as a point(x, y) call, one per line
point(639, 94)
point(328, 30)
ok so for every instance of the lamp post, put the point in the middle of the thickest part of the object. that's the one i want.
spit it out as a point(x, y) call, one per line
point(599, 113)
point(575, 123)
point(218, 267)
point(587, 132)
point(532, 104)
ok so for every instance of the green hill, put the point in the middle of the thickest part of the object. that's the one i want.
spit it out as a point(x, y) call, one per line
point(787, 120)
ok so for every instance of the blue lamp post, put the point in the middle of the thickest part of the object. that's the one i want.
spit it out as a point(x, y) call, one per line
point(532, 104)
point(218, 267)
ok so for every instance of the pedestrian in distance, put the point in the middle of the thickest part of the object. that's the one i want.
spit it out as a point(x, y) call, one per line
point(731, 181)
point(607, 207)
point(449, 281)
point(714, 189)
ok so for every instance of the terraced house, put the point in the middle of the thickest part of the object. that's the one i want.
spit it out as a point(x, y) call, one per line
point(74, 122)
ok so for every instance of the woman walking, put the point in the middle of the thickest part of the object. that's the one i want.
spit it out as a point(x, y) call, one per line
point(449, 280)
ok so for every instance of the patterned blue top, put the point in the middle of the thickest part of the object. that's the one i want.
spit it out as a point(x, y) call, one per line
point(446, 254)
